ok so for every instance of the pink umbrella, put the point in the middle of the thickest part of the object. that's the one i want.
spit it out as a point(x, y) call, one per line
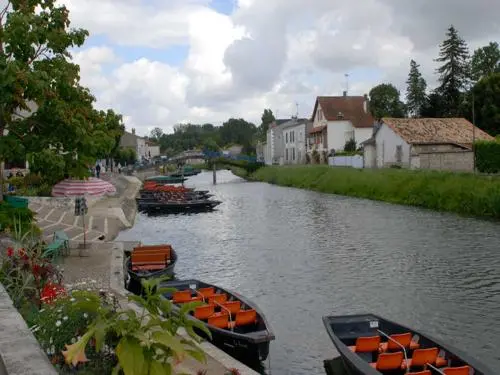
point(92, 186)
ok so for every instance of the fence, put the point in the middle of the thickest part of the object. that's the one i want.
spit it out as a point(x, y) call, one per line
point(355, 161)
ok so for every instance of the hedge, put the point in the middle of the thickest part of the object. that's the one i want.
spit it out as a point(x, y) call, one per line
point(487, 156)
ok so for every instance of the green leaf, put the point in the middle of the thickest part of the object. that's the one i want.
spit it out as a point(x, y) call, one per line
point(187, 307)
point(200, 325)
point(116, 370)
point(138, 299)
point(163, 291)
point(100, 334)
point(171, 342)
point(130, 356)
point(158, 368)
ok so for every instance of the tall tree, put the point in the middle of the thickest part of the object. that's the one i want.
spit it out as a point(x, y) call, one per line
point(43, 108)
point(385, 102)
point(156, 134)
point(486, 60)
point(487, 103)
point(416, 97)
point(267, 118)
point(453, 73)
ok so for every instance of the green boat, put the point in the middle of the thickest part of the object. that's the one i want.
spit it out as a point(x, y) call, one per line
point(167, 179)
point(188, 171)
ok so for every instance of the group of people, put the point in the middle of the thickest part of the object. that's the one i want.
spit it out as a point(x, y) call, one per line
point(96, 171)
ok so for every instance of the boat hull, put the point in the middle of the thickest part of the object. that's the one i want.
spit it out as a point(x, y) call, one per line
point(133, 279)
point(190, 206)
point(345, 329)
point(167, 179)
point(251, 347)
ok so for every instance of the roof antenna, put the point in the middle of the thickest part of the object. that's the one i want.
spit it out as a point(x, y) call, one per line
point(297, 113)
point(346, 83)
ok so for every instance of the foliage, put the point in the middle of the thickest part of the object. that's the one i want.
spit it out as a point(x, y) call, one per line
point(237, 131)
point(416, 97)
point(485, 61)
point(453, 73)
point(50, 164)
point(65, 320)
point(146, 343)
point(487, 156)
point(156, 134)
point(315, 156)
point(462, 193)
point(267, 118)
point(210, 145)
point(126, 156)
point(385, 102)
point(350, 145)
point(47, 113)
point(12, 217)
point(487, 103)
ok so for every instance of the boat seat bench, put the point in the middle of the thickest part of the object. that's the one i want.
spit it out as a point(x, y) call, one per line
point(420, 359)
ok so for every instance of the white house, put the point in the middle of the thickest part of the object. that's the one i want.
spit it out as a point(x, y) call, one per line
point(153, 150)
point(338, 119)
point(295, 136)
point(274, 143)
point(427, 143)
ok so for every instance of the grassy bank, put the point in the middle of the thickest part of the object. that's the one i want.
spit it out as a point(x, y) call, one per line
point(464, 194)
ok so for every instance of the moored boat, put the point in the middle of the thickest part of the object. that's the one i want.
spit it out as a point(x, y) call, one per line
point(371, 345)
point(177, 206)
point(236, 324)
point(145, 262)
point(167, 179)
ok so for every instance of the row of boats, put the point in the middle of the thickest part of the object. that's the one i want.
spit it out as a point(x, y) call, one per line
point(157, 196)
point(236, 324)
point(368, 344)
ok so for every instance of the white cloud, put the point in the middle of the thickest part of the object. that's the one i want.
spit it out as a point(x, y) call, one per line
point(267, 54)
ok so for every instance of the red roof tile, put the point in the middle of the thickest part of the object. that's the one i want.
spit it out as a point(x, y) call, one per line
point(352, 107)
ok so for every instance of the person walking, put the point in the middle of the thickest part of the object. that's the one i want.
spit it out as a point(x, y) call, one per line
point(97, 170)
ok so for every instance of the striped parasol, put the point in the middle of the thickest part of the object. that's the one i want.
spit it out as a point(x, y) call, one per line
point(92, 186)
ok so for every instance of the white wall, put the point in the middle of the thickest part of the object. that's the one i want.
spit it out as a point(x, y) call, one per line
point(362, 134)
point(295, 139)
point(154, 150)
point(370, 156)
point(339, 132)
point(387, 142)
point(141, 148)
point(355, 161)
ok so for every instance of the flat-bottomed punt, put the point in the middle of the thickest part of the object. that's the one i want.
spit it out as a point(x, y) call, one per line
point(371, 345)
point(146, 262)
point(236, 324)
point(167, 179)
point(176, 207)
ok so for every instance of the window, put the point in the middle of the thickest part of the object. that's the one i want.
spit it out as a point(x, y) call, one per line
point(293, 136)
point(399, 154)
point(286, 154)
point(286, 135)
point(293, 154)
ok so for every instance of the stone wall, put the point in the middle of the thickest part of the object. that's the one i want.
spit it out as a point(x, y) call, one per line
point(19, 350)
point(458, 161)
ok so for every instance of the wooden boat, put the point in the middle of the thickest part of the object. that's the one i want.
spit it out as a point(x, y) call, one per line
point(177, 206)
point(371, 345)
point(236, 324)
point(147, 262)
point(167, 179)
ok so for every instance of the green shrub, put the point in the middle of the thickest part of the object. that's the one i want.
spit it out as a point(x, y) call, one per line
point(462, 193)
point(9, 216)
point(487, 155)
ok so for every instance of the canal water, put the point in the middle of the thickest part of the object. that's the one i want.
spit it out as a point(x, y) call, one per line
point(301, 255)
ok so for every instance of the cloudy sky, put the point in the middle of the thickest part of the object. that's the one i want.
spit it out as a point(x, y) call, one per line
point(161, 62)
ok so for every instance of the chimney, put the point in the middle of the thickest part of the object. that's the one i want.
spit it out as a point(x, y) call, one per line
point(133, 131)
point(365, 103)
point(345, 94)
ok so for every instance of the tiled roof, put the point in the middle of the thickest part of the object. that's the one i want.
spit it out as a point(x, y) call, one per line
point(436, 130)
point(352, 107)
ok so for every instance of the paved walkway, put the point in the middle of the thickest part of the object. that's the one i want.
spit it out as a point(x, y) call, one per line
point(105, 219)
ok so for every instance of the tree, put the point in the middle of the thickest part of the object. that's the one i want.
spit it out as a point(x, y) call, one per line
point(267, 118)
point(434, 105)
point(416, 97)
point(385, 102)
point(453, 73)
point(42, 105)
point(156, 134)
point(487, 103)
point(486, 60)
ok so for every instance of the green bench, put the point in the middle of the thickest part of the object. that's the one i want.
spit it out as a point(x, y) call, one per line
point(59, 246)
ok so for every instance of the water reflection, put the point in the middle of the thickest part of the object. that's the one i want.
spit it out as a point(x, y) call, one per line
point(301, 255)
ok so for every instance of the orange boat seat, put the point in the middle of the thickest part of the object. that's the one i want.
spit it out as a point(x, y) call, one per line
point(388, 361)
point(204, 312)
point(366, 344)
point(404, 339)
point(233, 306)
point(219, 320)
point(207, 292)
point(422, 357)
point(425, 372)
point(243, 318)
point(184, 296)
point(217, 298)
point(463, 370)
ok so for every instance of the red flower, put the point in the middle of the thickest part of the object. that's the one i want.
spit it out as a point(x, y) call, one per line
point(51, 291)
point(36, 269)
point(10, 251)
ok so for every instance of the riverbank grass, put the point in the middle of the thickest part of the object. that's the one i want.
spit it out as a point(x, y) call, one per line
point(461, 193)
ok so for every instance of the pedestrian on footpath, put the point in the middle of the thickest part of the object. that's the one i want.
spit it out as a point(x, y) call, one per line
point(97, 170)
